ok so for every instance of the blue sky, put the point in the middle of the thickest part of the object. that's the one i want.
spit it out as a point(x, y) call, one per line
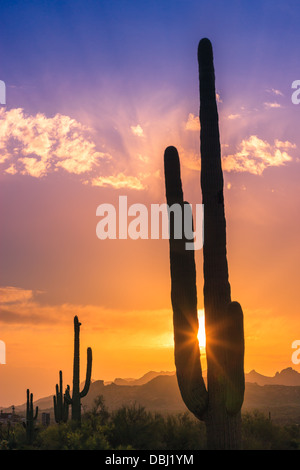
point(78, 44)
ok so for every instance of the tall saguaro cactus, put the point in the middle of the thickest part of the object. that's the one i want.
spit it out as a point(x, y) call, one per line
point(60, 403)
point(219, 405)
point(75, 401)
point(31, 418)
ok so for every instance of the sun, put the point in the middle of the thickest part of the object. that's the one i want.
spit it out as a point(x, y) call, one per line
point(201, 331)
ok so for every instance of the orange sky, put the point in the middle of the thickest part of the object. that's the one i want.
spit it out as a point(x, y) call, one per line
point(120, 289)
point(84, 124)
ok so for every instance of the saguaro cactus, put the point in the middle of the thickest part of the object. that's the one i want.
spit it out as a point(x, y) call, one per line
point(219, 405)
point(60, 403)
point(75, 401)
point(30, 418)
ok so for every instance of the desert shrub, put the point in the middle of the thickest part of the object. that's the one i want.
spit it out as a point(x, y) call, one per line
point(260, 433)
point(183, 432)
point(134, 426)
point(68, 436)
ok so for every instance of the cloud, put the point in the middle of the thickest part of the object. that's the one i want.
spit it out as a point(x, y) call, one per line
point(272, 105)
point(218, 98)
point(234, 116)
point(119, 181)
point(137, 130)
point(193, 123)
point(20, 308)
point(11, 170)
point(255, 155)
point(286, 144)
point(143, 158)
point(37, 145)
point(10, 294)
point(274, 91)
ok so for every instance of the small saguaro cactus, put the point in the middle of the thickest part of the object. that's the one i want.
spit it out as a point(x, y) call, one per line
point(75, 401)
point(61, 406)
point(31, 418)
point(220, 403)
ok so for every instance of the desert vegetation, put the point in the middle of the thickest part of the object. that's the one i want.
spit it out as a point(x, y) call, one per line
point(132, 427)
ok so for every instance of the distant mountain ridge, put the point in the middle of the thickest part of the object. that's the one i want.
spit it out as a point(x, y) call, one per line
point(288, 377)
point(140, 381)
point(159, 392)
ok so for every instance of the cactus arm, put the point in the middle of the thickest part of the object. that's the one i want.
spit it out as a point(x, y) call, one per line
point(235, 348)
point(60, 404)
point(57, 404)
point(85, 390)
point(30, 418)
point(76, 364)
point(65, 411)
point(27, 403)
point(55, 408)
point(184, 300)
point(67, 395)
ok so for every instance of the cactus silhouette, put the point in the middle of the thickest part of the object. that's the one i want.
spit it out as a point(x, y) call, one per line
point(75, 401)
point(30, 420)
point(60, 403)
point(220, 403)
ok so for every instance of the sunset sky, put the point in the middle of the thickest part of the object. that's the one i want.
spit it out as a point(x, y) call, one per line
point(95, 92)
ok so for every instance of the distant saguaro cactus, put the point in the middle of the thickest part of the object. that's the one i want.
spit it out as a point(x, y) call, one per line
point(60, 403)
point(219, 405)
point(75, 401)
point(31, 418)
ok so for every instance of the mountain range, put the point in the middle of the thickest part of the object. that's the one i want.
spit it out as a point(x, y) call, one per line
point(288, 377)
point(142, 380)
point(158, 391)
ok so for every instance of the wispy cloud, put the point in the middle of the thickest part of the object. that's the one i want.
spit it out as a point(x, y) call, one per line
point(193, 123)
point(24, 307)
point(272, 105)
point(119, 181)
point(255, 155)
point(218, 98)
point(277, 94)
point(20, 308)
point(274, 91)
point(137, 130)
point(11, 294)
point(233, 116)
